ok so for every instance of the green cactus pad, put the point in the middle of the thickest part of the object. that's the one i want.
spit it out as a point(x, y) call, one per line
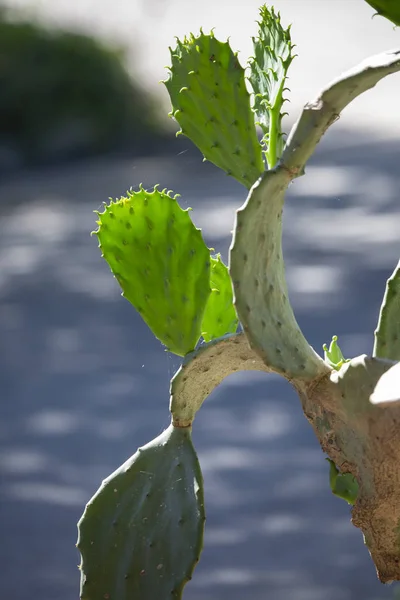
point(161, 262)
point(258, 274)
point(343, 485)
point(268, 72)
point(212, 105)
point(141, 535)
point(390, 9)
point(220, 314)
point(387, 333)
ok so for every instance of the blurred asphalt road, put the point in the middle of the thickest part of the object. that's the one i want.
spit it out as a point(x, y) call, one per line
point(84, 383)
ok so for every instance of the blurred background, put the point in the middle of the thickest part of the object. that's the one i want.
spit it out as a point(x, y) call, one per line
point(83, 118)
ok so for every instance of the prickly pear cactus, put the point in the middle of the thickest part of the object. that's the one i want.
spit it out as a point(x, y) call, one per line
point(211, 103)
point(141, 534)
point(161, 262)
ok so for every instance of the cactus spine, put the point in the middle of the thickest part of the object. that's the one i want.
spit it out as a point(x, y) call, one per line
point(390, 9)
point(141, 534)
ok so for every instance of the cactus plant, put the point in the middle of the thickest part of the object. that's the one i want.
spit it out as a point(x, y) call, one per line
point(140, 536)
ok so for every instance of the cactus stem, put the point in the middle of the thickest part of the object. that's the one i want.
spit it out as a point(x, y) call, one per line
point(204, 369)
point(271, 153)
point(259, 222)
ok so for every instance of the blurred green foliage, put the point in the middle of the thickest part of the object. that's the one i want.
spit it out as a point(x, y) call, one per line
point(64, 93)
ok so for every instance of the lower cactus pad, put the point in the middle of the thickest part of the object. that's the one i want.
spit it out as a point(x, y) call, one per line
point(141, 534)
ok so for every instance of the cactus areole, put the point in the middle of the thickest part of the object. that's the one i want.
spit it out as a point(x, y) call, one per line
point(141, 535)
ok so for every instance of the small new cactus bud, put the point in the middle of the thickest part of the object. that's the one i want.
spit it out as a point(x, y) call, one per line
point(334, 356)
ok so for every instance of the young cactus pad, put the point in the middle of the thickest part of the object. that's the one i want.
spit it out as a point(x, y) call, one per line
point(343, 485)
point(333, 355)
point(141, 534)
point(220, 315)
point(268, 71)
point(161, 263)
point(387, 333)
point(212, 105)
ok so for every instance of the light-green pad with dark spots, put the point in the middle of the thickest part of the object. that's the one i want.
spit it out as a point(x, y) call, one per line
point(141, 534)
point(161, 263)
point(212, 105)
point(220, 315)
point(387, 333)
